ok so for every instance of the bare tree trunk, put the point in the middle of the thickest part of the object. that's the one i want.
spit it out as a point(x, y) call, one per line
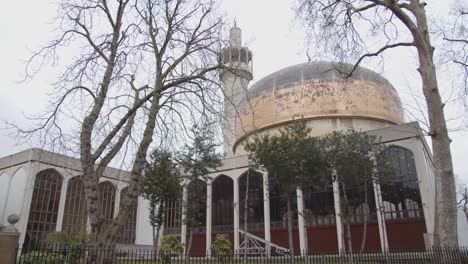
point(346, 216)
point(157, 228)
point(155, 239)
point(445, 206)
point(246, 212)
point(364, 230)
point(290, 231)
point(106, 237)
point(340, 21)
point(189, 246)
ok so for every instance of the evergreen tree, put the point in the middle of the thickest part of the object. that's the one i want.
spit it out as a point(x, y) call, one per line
point(197, 160)
point(161, 184)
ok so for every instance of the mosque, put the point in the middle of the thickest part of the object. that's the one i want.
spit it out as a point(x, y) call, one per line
point(46, 190)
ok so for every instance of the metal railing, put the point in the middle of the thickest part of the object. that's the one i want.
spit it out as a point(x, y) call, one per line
point(81, 254)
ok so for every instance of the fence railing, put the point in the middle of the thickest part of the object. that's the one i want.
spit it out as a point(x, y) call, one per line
point(84, 254)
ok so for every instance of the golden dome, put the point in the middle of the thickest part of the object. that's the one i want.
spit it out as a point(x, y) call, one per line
point(317, 90)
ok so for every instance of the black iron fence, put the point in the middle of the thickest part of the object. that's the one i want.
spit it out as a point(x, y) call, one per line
point(84, 254)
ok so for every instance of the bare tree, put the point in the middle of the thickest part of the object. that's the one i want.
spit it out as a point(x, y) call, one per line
point(463, 199)
point(141, 68)
point(339, 28)
point(452, 33)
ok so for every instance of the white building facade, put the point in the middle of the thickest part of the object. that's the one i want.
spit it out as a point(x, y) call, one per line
point(46, 191)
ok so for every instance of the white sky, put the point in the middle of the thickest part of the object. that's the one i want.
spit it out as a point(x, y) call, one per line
point(268, 29)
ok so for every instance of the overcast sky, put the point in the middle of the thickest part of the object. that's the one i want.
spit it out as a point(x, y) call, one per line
point(269, 30)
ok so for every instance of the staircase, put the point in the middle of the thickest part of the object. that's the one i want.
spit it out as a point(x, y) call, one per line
point(254, 245)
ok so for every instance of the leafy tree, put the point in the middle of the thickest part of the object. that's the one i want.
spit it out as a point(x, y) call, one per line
point(338, 28)
point(292, 159)
point(356, 160)
point(197, 160)
point(161, 184)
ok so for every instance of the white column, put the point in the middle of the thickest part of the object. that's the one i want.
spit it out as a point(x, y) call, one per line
point(61, 209)
point(3, 217)
point(380, 217)
point(88, 225)
point(33, 169)
point(301, 223)
point(117, 201)
point(266, 210)
point(339, 223)
point(183, 231)
point(209, 191)
point(426, 185)
point(236, 215)
point(161, 234)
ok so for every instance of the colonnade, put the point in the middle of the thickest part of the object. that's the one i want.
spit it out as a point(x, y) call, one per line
point(301, 227)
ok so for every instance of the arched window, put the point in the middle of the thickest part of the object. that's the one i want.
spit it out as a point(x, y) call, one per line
point(13, 193)
point(74, 215)
point(254, 202)
point(4, 186)
point(129, 229)
point(44, 207)
point(223, 197)
point(106, 198)
point(401, 193)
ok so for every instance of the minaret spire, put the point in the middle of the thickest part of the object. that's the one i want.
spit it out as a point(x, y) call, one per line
point(238, 62)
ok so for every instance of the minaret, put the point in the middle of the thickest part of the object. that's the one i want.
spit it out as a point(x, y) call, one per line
point(235, 77)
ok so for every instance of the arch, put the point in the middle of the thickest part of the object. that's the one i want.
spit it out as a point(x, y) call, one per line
point(16, 192)
point(106, 200)
point(4, 190)
point(403, 160)
point(44, 207)
point(403, 186)
point(128, 234)
point(74, 215)
point(222, 203)
point(255, 212)
point(402, 201)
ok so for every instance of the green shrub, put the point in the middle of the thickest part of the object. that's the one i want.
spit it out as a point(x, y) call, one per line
point(222, 248)
point(169, 246)
point(35, 257)
point(55, 238)
point(74, 246)
point(77, 248)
